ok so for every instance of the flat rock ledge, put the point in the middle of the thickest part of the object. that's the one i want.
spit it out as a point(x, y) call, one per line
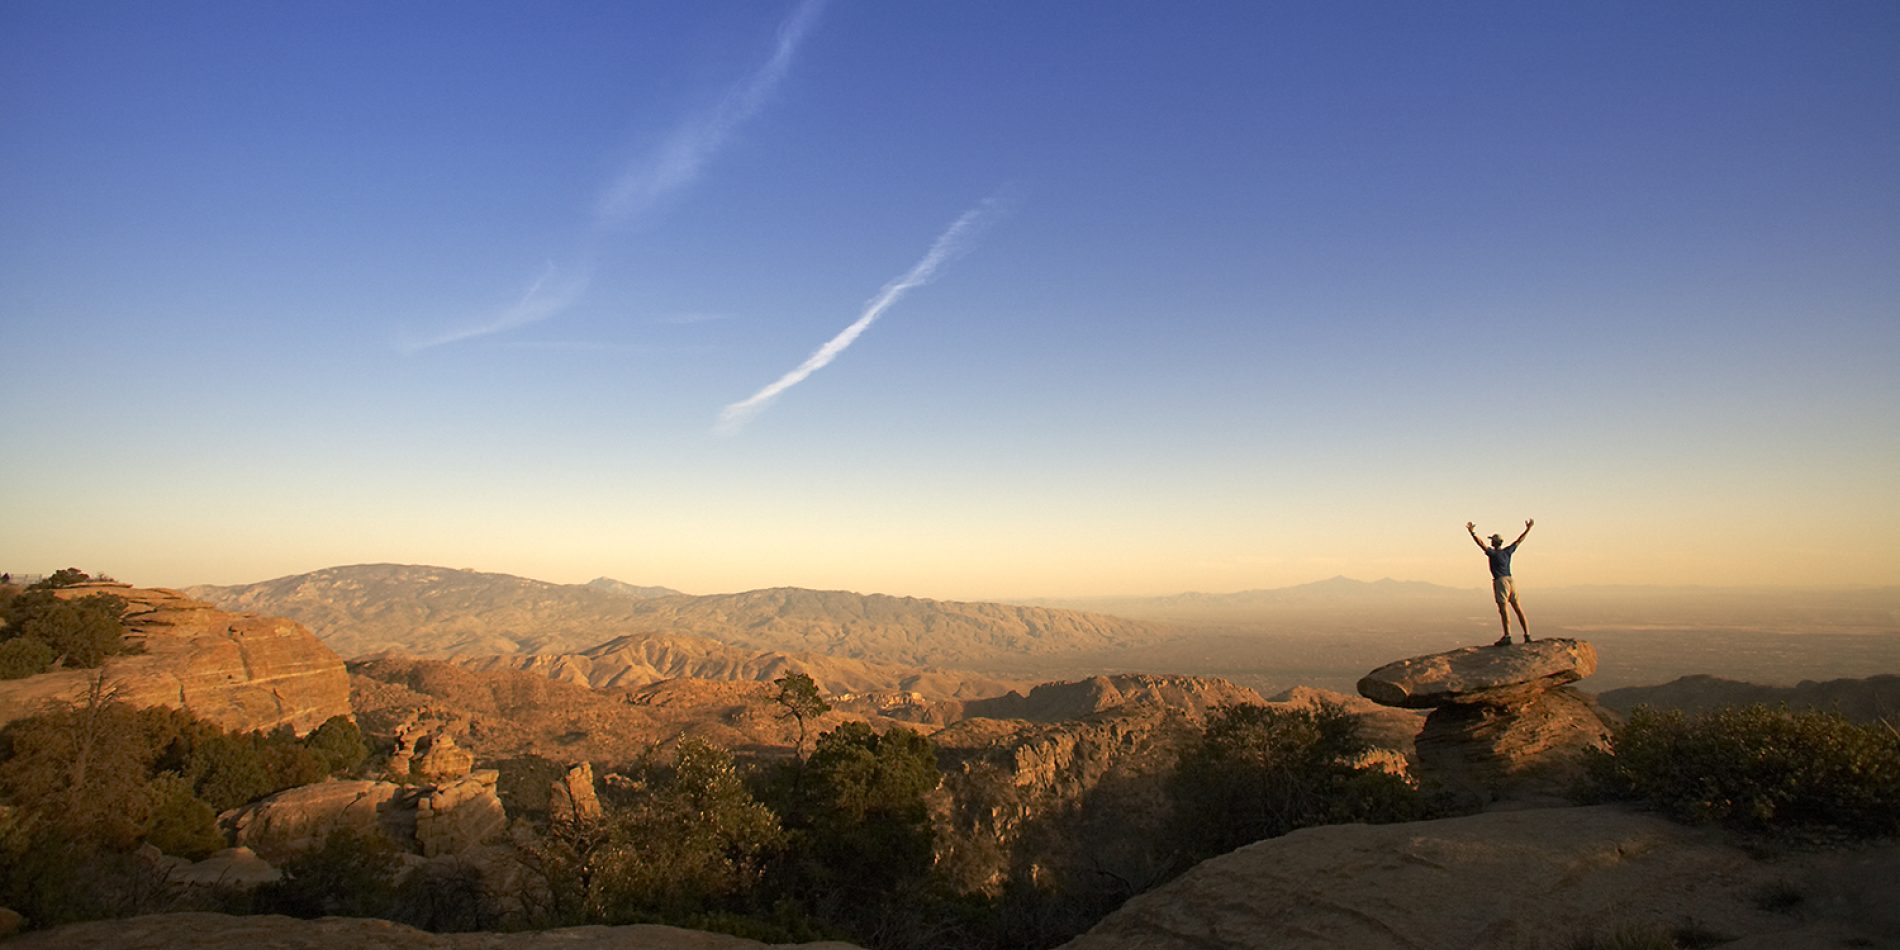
point(216, 931)
point(1497, 675)
point(1544, 879)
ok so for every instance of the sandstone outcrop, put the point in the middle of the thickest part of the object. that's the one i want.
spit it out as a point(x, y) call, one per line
point(240, 671)
point(1496, 675)
point(1503, 724)
point(573, 798)
point(430, 820)
point(1543, 879)
point(224, 932)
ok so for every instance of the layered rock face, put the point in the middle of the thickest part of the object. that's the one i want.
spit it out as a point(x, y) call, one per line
point(240, 671)
point(1503, 725)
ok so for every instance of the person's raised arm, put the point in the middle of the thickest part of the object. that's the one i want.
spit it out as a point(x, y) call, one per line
point(1526, 534)
point(1472, 527)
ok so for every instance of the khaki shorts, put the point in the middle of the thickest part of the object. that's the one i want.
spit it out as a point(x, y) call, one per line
point(1503, 589)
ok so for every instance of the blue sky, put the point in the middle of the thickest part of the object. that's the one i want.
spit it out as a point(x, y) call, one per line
point(1268, 292)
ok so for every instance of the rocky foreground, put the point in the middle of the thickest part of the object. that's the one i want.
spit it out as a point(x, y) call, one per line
point(221, 931)
point(1538, 879)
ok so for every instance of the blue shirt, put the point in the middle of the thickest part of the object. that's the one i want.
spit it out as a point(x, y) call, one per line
point(1501, 559)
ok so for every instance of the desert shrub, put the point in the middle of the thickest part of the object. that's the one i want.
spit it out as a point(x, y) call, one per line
point(1757, 767)
point(80, 632)
point(1257, 772)
point(444, 896)
point(64, 577)
point(349, 875)
point(21, 657)
point(688, 839)
point(180, 822)
point(1687, 935)
point(338, 745)
point(53, 876)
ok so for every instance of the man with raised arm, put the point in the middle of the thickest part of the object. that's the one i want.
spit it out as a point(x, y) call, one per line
point(1501, 586)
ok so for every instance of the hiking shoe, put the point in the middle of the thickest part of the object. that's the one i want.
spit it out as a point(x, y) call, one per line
point(1505, 641)
point(1527, 638)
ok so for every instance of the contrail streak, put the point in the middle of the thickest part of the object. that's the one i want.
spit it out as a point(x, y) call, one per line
point(550, 294)
point(675, 164)
point(948, 245)
point(679, 159)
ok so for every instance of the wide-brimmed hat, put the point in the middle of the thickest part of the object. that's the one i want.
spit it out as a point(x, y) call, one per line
point(1497, 539)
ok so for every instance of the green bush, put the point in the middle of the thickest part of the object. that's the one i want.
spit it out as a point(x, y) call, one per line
point(338, 744)
point(80, 632)
point(21, 657)
point(1757, 767)
point(180, 823)
point(1258, 772)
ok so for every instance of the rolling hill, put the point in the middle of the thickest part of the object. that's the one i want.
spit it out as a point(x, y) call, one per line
point(435, 611)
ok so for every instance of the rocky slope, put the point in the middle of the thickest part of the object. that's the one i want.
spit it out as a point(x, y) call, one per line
point(640, 659)
point(429, 610)
point(239, 671)
point(1071, 778)
point(503, 713)
point(1543, 879)
point(1863, 700)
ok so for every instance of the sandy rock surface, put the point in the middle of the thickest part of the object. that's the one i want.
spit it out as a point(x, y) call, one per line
point(222, 932)
point(1537, 879)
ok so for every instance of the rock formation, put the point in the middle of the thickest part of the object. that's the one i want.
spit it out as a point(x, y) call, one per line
point(239, 671)
point(430, 820)
point(573, 798)
point(223, 932)
point(1503, 724)
point(1538, 879)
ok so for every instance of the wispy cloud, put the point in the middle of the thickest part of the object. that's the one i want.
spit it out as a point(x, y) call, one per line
point(948, 245)
point(686, 150)
point(674, 164)
point(552, 292)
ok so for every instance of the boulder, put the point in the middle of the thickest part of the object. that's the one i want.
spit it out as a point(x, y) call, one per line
point(442, 759)
point(1543, 879)
point(1503, 725)
point(1495, 674)
point(458, 817)
point(232, 867)
point(431, 820)
point(240, 671)
point(298, 819)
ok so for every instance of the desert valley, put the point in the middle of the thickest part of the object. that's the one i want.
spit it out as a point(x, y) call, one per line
point(959, 475)
point(517, 733)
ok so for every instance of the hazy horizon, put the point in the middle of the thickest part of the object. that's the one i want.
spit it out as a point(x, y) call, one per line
point(963, 301)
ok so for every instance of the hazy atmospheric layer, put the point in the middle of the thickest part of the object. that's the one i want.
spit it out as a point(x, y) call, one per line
point(1289, 291)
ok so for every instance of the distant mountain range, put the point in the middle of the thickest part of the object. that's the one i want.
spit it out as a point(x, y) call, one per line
point(1319, 597)
point(370, 608)
point(1870, 699)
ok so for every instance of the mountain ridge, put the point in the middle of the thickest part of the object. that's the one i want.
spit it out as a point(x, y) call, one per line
point(427, 610)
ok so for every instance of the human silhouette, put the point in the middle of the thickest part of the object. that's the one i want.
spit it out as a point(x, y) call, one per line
point(1502, 587)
